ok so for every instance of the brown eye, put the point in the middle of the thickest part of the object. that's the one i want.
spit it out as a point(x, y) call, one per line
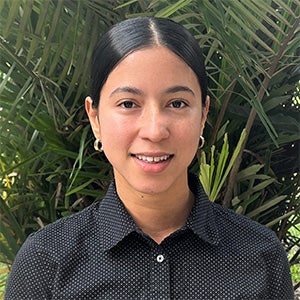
point(127, 104)
point(178, 104)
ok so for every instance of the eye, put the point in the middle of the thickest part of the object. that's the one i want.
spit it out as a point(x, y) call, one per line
point(178, 104)
point(127, 104)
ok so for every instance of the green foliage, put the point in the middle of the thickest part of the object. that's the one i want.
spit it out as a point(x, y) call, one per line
point(294, 258)
point(3, 278)
point(48, 168)
point(214, 175)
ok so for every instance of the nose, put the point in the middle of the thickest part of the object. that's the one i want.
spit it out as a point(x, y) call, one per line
point(154, 124)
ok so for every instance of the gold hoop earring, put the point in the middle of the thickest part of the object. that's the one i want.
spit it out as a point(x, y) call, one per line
point(98, 143)
point(201, 142)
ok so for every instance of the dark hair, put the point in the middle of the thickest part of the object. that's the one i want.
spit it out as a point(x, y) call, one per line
point(142, 32)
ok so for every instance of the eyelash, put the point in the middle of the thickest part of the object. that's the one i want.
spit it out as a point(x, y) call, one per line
point(131, 104)
point(181, 102)
point(124, 103)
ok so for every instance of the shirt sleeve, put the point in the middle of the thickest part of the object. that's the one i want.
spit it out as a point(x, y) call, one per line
point(32, 274)
point(279, 277)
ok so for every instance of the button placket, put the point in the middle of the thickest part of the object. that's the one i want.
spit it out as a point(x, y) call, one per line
point(160, 275)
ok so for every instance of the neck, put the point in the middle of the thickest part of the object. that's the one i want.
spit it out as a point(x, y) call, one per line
point(158, 215)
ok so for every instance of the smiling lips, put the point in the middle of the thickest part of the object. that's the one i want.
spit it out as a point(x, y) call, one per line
point(153, 159)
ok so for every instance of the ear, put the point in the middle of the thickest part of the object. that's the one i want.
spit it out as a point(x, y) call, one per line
point(205, 111)
point(93, 117)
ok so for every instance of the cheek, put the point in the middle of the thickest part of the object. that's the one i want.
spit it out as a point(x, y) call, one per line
point(188, 134)
point(114, 132)
point(193, 126)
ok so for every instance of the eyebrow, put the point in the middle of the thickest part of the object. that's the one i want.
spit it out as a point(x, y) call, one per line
point(179, 88)
point(135, 91)
point(127, 89)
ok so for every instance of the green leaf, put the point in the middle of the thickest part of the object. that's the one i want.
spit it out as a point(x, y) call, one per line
point(211, 179)
point(267, 205)
point(170, 10)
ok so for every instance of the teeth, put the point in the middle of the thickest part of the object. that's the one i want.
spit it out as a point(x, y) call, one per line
point(153, 159)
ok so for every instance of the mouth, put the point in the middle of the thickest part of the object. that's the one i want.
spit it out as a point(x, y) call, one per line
point(153, 159)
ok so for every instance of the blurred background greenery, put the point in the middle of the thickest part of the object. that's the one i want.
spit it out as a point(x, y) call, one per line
point(48, 168)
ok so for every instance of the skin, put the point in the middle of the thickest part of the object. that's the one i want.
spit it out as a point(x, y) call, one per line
point(149, 120)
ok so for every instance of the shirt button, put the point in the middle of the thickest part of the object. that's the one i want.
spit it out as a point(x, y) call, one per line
point(160, 258)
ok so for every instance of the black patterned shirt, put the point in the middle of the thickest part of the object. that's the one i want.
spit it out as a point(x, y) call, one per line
point(99, 253)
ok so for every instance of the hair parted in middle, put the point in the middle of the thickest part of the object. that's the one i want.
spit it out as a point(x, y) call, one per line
point(143, 32)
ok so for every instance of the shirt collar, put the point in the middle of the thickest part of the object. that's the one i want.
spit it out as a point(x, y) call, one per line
point(113, 220)
point(202, 217)
point(115, 223)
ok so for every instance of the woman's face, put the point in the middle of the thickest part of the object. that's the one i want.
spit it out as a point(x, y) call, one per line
point(149, 120)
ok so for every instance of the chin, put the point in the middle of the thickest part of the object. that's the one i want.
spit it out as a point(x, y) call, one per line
point(152, 187)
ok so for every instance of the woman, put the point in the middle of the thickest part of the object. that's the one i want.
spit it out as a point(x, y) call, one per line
point(155, 235)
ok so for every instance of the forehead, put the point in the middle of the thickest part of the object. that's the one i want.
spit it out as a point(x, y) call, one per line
point(152, 68)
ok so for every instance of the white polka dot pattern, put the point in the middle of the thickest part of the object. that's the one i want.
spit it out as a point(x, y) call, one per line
point(99, 253)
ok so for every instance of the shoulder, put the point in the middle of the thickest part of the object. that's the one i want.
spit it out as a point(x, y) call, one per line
point(240, 230)
point(59, 238)
point(72, 225)
point(256, 247)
